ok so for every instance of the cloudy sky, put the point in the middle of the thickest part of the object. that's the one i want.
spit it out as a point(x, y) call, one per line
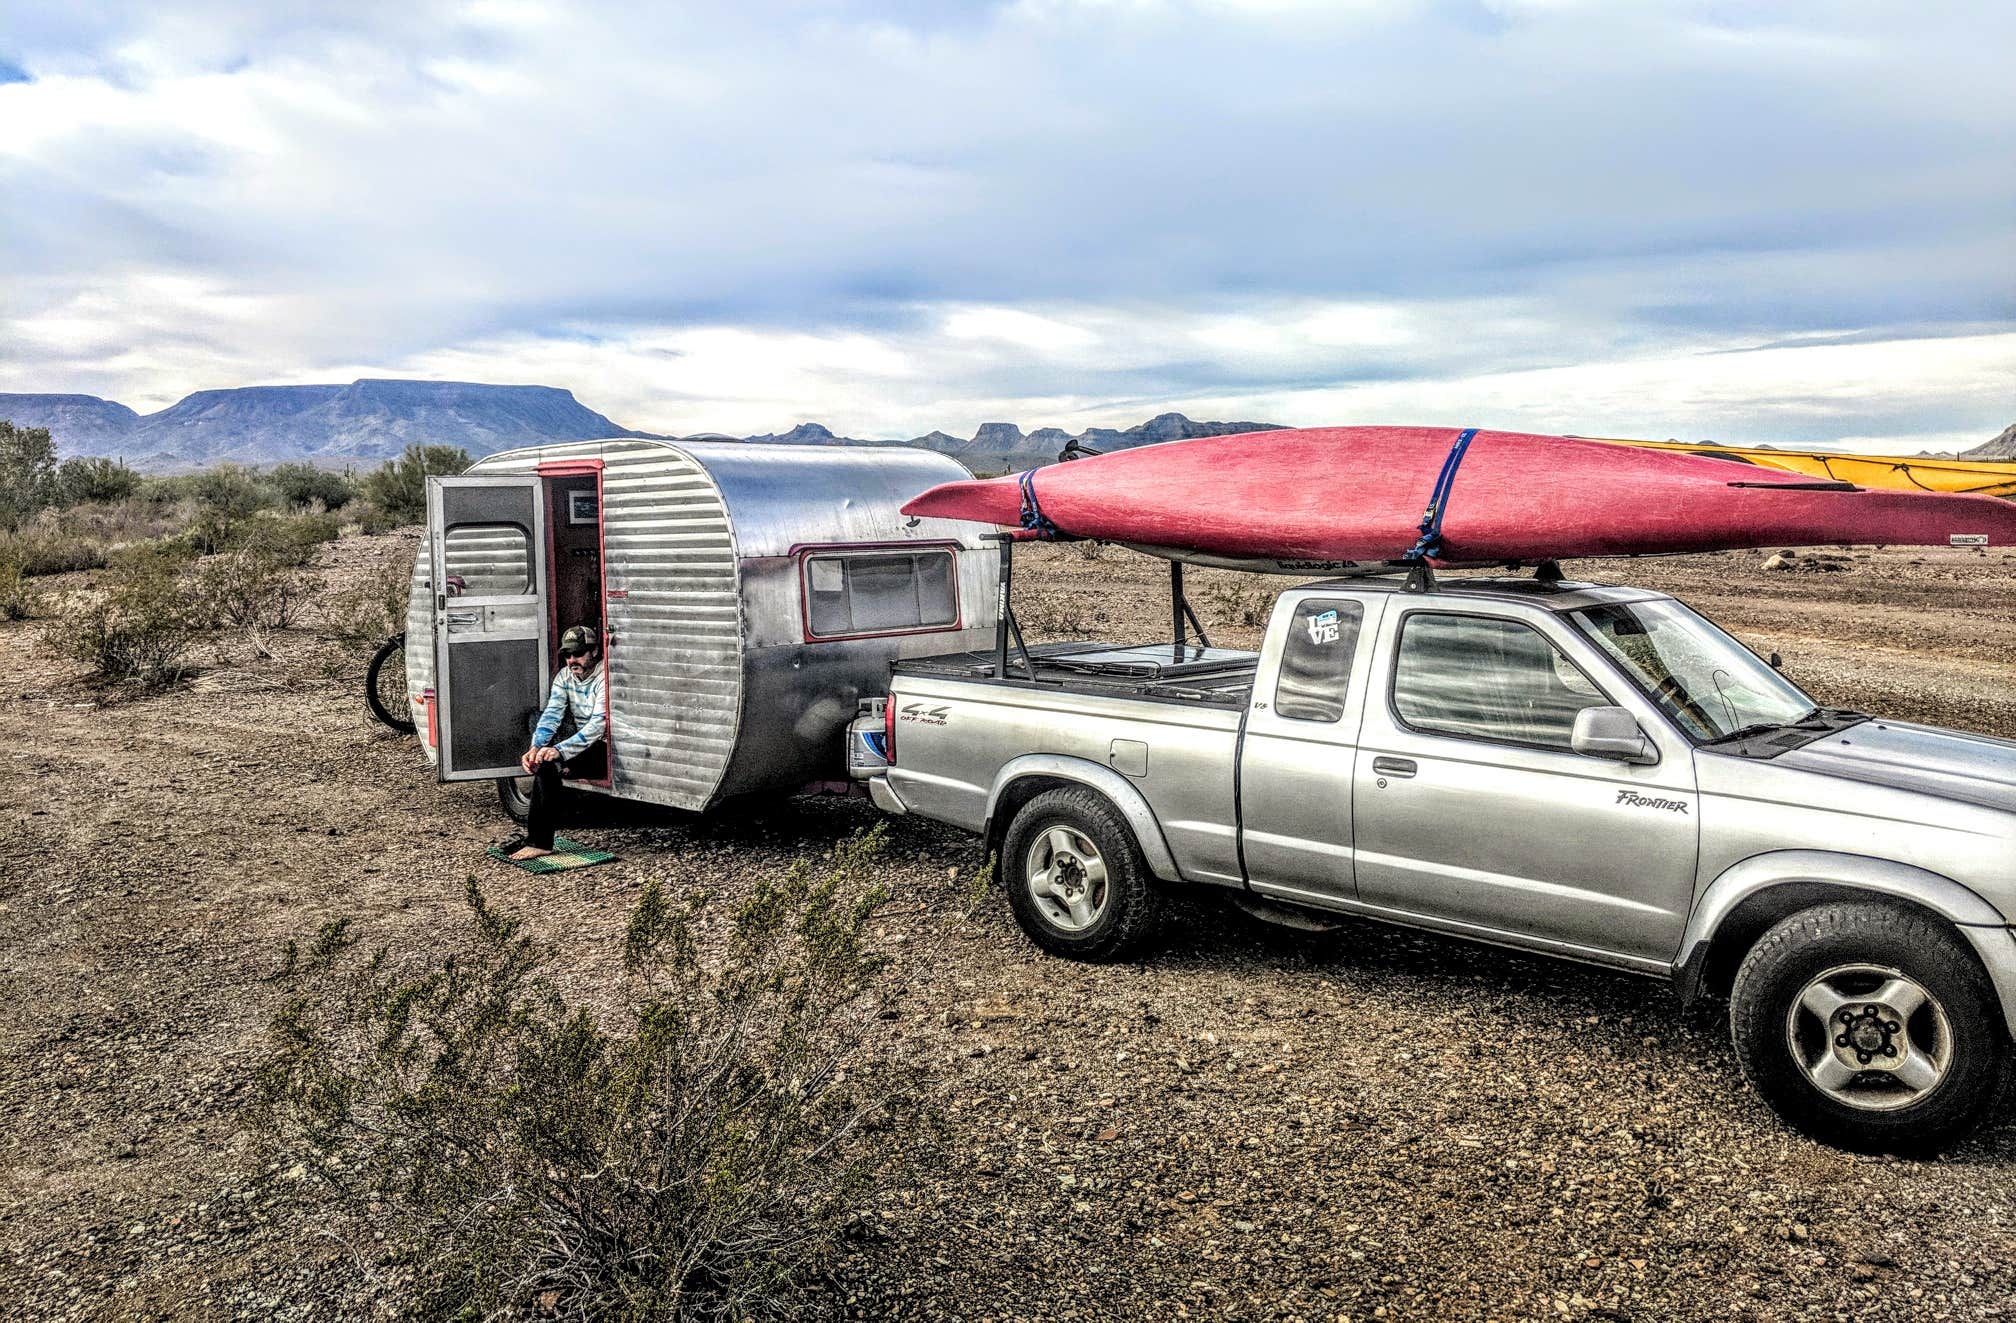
point(1792, 223)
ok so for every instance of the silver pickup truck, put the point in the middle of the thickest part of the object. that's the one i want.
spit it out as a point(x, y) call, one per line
point(1590, 772)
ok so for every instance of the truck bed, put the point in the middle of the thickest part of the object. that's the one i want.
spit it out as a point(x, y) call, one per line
point(1215, 677)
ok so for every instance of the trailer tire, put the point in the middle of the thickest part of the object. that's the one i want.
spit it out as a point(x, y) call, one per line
point(1075, 877)
point(1911, 1053)
point(514, 796)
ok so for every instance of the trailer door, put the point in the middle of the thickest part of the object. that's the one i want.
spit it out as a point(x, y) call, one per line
point(487, 539)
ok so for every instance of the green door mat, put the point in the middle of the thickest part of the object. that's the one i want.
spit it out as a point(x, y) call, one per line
point(565, 855)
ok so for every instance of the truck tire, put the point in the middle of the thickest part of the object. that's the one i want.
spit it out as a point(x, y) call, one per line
point(1075, 877)
point(1870, 1027)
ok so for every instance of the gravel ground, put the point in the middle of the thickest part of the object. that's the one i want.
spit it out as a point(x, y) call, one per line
point(1242, 1124)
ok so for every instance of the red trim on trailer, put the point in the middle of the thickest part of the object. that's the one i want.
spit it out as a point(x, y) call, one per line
point(803, 553)
point(561, 468)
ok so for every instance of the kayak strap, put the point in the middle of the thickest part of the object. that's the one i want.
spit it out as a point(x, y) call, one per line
point(1438, 500)
point(1033, 517)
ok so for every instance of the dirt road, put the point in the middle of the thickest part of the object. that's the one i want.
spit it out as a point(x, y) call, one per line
point(1239, 1125)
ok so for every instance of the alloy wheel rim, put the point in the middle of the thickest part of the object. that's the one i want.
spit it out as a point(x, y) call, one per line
point(1870, 1037)
point(1067, 879)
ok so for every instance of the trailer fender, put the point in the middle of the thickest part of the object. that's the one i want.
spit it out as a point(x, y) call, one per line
point(1051, 767)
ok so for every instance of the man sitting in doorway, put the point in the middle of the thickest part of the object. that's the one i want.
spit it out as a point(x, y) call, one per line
point(578, 700)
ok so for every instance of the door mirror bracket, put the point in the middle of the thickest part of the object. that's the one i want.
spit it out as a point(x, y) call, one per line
point(1611, 732)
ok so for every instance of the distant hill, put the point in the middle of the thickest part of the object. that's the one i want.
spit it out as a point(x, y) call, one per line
point(361, 423)
point(2002, 447)
point(371, 420)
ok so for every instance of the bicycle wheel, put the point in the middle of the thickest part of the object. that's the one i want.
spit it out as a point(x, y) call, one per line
point(385, 685)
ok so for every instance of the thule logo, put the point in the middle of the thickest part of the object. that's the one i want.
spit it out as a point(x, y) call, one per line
point(1636, 800)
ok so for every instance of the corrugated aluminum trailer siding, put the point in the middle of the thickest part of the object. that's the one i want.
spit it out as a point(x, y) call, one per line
point(675, 671)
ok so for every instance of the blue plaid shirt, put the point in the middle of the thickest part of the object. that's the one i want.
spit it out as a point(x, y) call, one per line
point(583, 698)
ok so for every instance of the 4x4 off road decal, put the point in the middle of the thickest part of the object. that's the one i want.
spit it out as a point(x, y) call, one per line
point(924, 713)
point(1636, 800)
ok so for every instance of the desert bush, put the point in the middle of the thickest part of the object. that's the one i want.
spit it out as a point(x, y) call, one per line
point(372, 608)
point(27, 472)
point(94, 480)
point(40, 551)
point(695, 1156)
point(304, 487)
point(226, 496)
point(139, 627)
point(18, 601)
point(399, 486)
point(372, 521)
point(254, 588)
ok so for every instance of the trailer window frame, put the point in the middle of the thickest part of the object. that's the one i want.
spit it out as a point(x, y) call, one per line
point(808, 556)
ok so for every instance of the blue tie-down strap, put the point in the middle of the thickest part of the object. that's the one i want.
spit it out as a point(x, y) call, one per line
point(1438, 501)
point(1033, 517)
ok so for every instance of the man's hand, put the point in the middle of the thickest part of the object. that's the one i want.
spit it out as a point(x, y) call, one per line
point(531, 758)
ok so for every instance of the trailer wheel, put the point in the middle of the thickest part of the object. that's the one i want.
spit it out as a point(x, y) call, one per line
point(1870, 1027)
point(385, 685)
point(1075, 877)
point(514, 796)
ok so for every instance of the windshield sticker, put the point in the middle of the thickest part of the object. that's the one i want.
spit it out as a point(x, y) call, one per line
point(1636, 800)
point(1324, 629)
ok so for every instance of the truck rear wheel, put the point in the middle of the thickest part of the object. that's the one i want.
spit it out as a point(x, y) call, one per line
point(514, 796)
point(1871, 1027)
point(1075, 877)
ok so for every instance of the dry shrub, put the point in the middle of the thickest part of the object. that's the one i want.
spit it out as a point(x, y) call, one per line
point(17, 600)
point(139, 626)
point(371, 609)
point(39, 551)
point(255, 588)
point(695, 1156)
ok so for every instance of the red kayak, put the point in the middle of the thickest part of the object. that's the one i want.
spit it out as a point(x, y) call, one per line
point(1450, 497)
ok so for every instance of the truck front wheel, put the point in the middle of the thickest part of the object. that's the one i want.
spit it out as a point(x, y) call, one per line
point(1871, 1027)
point(1075, 876)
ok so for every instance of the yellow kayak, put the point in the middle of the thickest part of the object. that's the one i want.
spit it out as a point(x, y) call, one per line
point(1980, 477)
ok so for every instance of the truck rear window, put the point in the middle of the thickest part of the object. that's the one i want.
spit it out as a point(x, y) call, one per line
point(849, 594)
point(1316, 659)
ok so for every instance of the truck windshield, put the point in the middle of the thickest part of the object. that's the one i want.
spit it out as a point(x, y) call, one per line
point(1705, 680)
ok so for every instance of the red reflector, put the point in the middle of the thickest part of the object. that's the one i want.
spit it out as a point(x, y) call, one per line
point(889, 729)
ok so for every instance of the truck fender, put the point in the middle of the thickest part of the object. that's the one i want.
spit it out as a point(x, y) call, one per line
point(1117, 788)
point(1984, 927)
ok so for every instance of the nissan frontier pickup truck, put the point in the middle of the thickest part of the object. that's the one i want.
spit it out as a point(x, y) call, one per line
point(1595, 773)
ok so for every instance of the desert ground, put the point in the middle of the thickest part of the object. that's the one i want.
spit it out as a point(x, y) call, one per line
point(1242, 1123)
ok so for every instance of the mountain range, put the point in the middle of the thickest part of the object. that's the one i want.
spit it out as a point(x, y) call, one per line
point(372, 420)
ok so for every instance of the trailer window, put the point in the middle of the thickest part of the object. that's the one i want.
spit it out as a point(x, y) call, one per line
point(1487, 679)
point(488, 560)
point(880, 593)
point(1316, 660)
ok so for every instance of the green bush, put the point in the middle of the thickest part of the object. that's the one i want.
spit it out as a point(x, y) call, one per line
point(27, 472)
point(303, 486)
point(102, 480)
point(694, 1157)
point(226, 497)
point(371, 521)
point(139, 627)
point(399, 486)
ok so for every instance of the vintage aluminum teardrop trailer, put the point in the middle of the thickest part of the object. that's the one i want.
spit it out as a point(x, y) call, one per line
point(748, 597)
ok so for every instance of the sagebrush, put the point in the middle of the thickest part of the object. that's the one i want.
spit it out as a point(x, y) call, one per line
point(694, 1155)
point(138, 626)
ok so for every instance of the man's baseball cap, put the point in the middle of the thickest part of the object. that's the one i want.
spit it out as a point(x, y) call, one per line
point(580, 638)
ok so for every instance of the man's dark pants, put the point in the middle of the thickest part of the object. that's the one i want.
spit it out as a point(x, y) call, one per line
point(591, 764)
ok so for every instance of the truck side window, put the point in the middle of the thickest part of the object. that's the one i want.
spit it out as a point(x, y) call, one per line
point(1316, 659)
point(1487, 679)
point(879, 592)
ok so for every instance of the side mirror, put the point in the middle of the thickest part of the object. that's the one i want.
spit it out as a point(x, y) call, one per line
point(1611, 732)
point(1777, 662)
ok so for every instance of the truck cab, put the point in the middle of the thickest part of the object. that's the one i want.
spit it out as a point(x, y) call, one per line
point(1591, 772)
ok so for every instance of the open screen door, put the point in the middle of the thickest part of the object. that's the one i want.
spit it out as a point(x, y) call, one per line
point(487, 538)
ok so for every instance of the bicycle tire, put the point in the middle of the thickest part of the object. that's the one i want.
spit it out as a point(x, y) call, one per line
point(400, 719)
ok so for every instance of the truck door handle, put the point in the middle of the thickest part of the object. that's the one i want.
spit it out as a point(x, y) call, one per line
point(1394, 766)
